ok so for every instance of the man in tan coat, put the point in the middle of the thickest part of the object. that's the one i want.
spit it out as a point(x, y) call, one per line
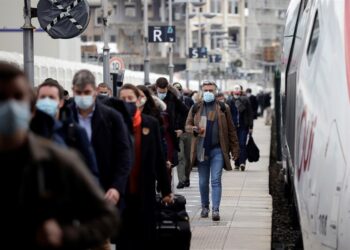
point(214, 138)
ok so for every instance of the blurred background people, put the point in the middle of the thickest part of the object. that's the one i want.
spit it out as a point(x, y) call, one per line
point(104, 90)
point(174, 118)
point(184, 155)
point(242, 116)
point(220, 97)
point(253, 102)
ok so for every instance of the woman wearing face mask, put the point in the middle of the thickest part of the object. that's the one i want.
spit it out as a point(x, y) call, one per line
point(149, 166)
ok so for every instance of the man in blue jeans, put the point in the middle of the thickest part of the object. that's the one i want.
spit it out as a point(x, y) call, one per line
point(214, 138)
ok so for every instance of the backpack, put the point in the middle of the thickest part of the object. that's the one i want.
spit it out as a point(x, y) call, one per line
point(196, 108)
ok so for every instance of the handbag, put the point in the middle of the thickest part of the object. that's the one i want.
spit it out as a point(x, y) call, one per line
point(253, 152)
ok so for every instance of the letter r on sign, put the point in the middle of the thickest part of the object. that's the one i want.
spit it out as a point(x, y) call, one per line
point(157, 35)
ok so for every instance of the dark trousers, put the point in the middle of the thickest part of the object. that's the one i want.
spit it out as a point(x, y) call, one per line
point(184, 166)
point(242, 134)
point(133, 233)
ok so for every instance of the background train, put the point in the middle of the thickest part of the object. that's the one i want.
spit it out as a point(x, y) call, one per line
point(316, 118)
point(64, 71)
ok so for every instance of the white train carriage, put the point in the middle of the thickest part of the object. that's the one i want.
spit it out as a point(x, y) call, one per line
point(316, 118)
point(64, 71)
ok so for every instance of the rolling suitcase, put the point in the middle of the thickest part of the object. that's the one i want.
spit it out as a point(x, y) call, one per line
point(173, 230)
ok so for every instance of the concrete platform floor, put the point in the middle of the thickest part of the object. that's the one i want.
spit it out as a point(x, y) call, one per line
point(246, 206)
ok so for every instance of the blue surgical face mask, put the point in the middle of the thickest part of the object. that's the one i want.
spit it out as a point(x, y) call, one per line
point(208, 96)
point(48, 106)
point(161, 95)
point(14, 117)
point(84, 101)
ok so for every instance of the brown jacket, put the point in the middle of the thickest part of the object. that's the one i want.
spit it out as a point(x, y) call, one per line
point(227, 133)
point(56, 185)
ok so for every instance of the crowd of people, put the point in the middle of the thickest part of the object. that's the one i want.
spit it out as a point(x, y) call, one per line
point(82, 172)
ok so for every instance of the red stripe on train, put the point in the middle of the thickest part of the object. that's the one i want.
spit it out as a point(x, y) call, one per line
point(347, 41)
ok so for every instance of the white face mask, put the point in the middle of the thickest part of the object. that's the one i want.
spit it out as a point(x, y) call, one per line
point(84, 102)
point(143, 101)
point(14, 117)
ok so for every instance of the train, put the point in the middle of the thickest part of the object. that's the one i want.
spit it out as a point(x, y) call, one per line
point(315, 119)
point(64, 71)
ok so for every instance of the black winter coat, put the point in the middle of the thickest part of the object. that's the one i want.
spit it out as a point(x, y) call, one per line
point(112, 147)
point(177, 112)
point(68, 132)
point(254, 103)
point(56, 185)
point(138, 217)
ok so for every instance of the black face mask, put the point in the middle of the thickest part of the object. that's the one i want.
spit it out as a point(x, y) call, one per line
point(131, 107)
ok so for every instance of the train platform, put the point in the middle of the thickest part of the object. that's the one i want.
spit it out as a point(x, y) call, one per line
point(246, 206)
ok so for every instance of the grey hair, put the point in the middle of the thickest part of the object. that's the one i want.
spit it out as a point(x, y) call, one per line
point(84, 77)
point(209, 83)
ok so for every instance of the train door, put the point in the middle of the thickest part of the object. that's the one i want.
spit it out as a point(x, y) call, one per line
point(292, 75)
point(288, 108)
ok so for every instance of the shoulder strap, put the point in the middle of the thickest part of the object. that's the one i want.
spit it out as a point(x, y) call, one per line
point(222, 107)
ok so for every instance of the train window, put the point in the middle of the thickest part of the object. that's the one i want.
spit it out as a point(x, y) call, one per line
point(315, 33)
point(69, 75)
point(61, 76)
point(36, 75)
point(44, 73)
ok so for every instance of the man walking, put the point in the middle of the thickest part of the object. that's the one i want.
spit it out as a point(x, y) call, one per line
point(184, 166)
point(242, 114)
point(214, 138)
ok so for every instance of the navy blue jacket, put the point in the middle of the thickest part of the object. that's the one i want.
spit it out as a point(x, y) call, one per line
point(66, 133)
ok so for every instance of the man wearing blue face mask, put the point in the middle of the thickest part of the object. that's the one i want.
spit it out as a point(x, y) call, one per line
point(214, 139)
point(54, 122)
point(108, 135)
point(49, 200)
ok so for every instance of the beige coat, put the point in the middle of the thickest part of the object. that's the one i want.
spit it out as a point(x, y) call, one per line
point(227, 134)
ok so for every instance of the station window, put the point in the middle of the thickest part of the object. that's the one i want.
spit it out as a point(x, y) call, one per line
point(215, 6)
point(315, 33)
point(113, 39)
point(98, 17)
point(130, 9)
point(97, 38)
point(83, 38)
point(233, 7)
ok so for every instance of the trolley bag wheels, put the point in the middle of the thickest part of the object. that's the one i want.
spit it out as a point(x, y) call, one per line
point(173, 230)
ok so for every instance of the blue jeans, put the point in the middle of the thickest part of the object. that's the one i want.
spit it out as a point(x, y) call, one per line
point(242, 134)
point(212, 166)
